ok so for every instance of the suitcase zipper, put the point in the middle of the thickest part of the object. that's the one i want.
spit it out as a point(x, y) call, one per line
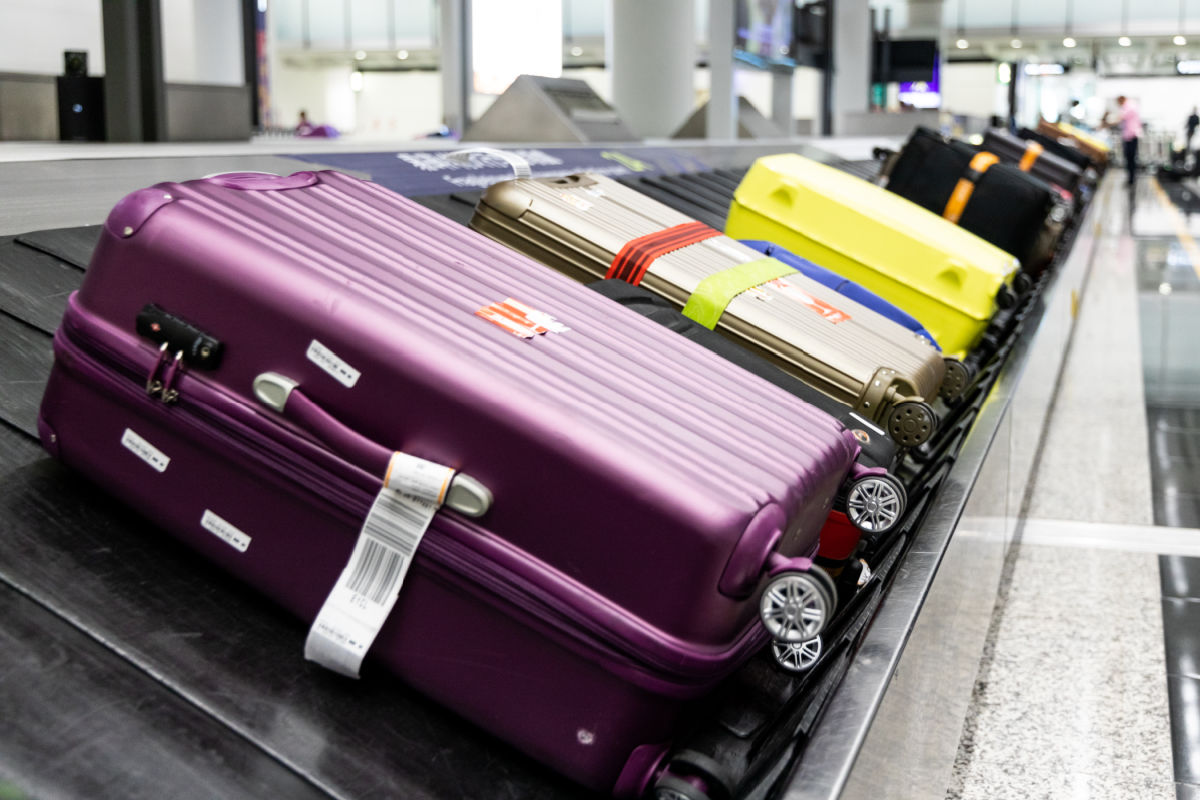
point(117, 371)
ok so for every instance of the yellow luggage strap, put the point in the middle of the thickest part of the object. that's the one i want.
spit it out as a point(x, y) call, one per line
point(1032, 151)
point(708, 302)
point(966, 185)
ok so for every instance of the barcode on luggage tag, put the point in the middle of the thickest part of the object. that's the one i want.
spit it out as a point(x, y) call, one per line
point(328, 360)
point(364, 595)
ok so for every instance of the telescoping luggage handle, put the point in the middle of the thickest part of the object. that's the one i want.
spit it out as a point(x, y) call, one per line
point(465, 494)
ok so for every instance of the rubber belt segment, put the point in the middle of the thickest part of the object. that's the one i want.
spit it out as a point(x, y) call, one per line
point(966, 186)
point(708, 302)
point(638, 254)
point(1032, 151)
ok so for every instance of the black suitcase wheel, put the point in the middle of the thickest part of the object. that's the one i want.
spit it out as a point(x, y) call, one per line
point(911, 423)
point(958, 378)
point(796, 606)
point(875, 504)
point(693, 776)
point(797, 657)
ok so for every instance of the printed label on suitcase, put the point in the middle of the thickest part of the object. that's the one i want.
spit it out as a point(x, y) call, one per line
point(145, 451)
point(520, 320)
point(369, 585)
point(327, 360)
point(827, 311)
point(224, 530)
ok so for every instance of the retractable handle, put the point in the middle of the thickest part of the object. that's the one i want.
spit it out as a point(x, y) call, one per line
point(466, 495)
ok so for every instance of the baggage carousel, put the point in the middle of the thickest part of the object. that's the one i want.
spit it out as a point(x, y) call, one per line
point(132, 668)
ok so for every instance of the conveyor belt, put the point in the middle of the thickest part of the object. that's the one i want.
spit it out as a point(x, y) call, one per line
point(176, 659)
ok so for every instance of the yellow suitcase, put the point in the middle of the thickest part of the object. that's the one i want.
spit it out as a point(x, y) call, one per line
point(949, 279)
point(1092, 147)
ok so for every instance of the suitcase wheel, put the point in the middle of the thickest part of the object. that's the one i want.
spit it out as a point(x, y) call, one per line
point(876, 503)
point(692, 776)
point(797, 656)
point(911, 423)
point(796, 606)
point(958, 378)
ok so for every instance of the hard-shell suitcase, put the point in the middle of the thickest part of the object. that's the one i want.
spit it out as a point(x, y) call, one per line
point(1034, 158)
point(1095, 149)
point(589, 227)
point(946, 277)
point(1063, 149)
point(878, 450)
point(248, 354)
point(842, 286)
point(998, 202)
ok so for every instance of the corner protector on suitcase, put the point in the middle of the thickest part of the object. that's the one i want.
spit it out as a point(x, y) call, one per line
point(131, 212)
point(48, 436)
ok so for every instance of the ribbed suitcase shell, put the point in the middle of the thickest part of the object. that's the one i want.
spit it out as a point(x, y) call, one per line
point(1053, 169)
point(842, 285)
point(632, 470)
point(946, 277)
point(578, 224)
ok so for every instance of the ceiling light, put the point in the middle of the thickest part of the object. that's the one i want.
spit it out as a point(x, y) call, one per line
point(962, 44)
point(402, 55)
point(576, 51)
point(1180, 40)
point(360, 55)
point(1124, 41)
point(1068, 42)
point(1016, 43)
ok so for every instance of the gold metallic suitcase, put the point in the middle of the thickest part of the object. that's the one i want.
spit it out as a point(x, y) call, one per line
point(589, 227)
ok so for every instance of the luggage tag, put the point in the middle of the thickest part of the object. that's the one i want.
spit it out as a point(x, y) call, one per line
point(363, 597)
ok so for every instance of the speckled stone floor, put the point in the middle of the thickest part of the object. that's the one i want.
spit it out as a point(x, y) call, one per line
point(1072, 696)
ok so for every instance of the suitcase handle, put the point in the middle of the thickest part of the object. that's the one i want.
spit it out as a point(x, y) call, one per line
point(466, 495)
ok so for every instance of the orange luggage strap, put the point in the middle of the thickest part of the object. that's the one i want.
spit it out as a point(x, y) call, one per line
point(966, 185)
point(638, 254)
point(1032, 151)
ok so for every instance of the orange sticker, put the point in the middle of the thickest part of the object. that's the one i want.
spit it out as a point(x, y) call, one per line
point(519, 319)
point(834, 315)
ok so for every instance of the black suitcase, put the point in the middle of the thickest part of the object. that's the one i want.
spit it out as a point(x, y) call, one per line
point(997, 202)
point(1034, 158)
point(1065, 151)
point(878, 449)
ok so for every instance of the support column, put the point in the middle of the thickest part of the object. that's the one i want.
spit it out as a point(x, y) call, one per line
point(454, 36)
point(650, 48)
point(135, 106)
point(782, 113)
point(851, 60)
point(721, 117)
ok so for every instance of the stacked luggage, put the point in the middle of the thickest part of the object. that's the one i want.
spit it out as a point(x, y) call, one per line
point(624, 471)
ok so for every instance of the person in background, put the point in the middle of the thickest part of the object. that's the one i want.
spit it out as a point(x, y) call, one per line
point(1193, 122)
point(304, 127)
point(1131, 130)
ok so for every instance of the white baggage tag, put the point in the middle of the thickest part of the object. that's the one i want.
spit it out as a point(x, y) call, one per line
point(364, 595)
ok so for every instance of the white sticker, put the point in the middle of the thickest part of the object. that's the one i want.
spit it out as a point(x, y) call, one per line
point(417, 477)
point(225, 530)
point(367, 589)
point(328, 360)
point(145, 451)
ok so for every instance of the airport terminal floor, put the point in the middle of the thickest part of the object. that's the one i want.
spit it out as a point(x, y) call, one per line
point(1089, 685)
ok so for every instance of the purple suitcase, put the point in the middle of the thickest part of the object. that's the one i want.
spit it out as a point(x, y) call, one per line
point(652, 506)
